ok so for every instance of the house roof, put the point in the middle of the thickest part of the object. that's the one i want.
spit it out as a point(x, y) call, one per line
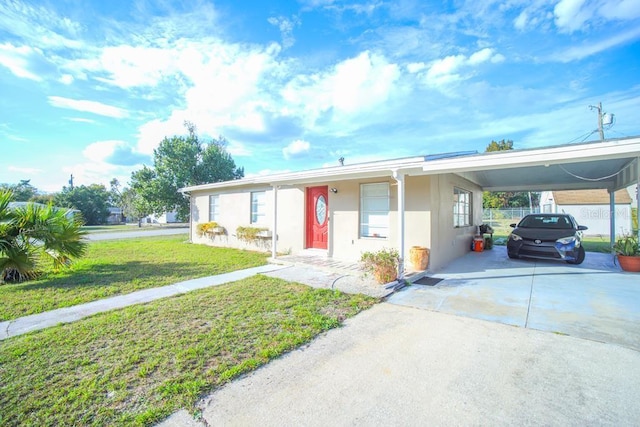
point(611, 164)
point(589, 197)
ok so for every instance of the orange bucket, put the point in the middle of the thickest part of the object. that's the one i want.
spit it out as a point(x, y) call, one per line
point(478, 244)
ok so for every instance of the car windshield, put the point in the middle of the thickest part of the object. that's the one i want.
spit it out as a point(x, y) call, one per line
point(558, 222)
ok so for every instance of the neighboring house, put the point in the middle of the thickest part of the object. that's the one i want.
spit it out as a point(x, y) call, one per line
point(591, 208)
point(432, 201)
point(165, 218)
point(115, 216)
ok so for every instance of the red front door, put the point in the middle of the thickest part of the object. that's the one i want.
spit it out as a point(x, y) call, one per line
point(317, 217)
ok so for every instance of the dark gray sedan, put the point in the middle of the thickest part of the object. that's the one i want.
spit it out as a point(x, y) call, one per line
point(550, 236)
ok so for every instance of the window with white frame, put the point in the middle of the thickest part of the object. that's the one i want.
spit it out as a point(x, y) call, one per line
point(461, 207)
point(374, 210)
point(258, 207)
point(214, 208)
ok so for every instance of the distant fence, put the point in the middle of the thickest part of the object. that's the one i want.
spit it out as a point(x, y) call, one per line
point(501, 218)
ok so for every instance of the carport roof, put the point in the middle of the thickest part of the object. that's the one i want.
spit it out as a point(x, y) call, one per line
point(611, 164)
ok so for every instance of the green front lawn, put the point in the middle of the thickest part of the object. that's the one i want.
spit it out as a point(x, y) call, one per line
point(122, 266)
point(138, 365)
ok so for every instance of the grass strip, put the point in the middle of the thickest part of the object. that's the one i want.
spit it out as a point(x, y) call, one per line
point(119, 267)
point(138, 365)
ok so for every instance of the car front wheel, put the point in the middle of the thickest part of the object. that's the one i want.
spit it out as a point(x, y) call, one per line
point(512, 255)
point(579, 258)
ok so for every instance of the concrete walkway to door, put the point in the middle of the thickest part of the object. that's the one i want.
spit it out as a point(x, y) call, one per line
point(595, 300)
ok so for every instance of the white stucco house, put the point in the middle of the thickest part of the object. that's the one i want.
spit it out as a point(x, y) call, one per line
point(433, 201)
point(591, 208)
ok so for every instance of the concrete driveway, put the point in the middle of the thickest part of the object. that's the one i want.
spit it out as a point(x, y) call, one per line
point(594, 300)
point(402, 366)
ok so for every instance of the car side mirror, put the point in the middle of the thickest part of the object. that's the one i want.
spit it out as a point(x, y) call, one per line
point(582, 227)
point(512, 225)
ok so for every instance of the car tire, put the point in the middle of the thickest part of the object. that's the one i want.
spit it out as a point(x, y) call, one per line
point(512, 255)
point(579, 258)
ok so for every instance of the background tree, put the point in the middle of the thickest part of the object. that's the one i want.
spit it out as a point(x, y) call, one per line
point(501, 145)
point(22, 191)
point(34, 232)
point(507, 199)
point(182, 161)
point(92, 201)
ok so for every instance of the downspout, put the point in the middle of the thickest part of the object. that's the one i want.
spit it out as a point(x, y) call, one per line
point(186, 194)
point(399, 177)
point(274, 226)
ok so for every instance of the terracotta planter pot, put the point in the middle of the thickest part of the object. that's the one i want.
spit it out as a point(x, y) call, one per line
point(629, 263)
point(384, 274)
point(419, 257)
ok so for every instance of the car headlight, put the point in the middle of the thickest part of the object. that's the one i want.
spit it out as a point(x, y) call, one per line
point(515, 237)
point(566, 240)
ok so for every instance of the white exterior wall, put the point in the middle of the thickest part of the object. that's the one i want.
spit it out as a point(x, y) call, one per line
point(451, 242)
point(428, 218)
point(235, 211)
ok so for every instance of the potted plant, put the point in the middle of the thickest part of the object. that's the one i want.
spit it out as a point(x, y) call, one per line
point(209, 228)
point(383, 264)
point(627, 250)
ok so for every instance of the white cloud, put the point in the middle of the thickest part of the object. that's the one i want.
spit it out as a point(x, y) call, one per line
point(101, 150)
point(570, 15)
point(620, 9)
point(88, 106)
point(354, 86)
point(27, 170)
point(297, 148)
point(573, 15)
point(151, 133)
point(579, 52)
point(81, 120)
point(450, 68)
point(416, 67)
point(237, 149)
point(134, 66)
point(286, 27)
point(66, 79)
point(16, 59)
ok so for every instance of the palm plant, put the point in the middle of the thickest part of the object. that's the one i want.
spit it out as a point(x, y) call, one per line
point(34, 232)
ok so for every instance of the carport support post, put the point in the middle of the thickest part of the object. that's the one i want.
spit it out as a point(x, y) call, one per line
point(274, 227)
point(399, 177)
point(612, 218)
point(637, 198)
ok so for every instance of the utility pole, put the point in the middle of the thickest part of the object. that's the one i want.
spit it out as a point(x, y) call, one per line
point(604, 119)
point(599, 108)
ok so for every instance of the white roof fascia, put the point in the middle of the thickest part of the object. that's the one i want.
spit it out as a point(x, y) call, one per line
point(610, 149)
point(334, 173)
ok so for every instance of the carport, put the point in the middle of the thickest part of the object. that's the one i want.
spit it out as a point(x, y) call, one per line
point(612, 164)
point(595, 300)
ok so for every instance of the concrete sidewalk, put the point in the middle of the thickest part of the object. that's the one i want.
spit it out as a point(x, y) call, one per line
point(38, 321)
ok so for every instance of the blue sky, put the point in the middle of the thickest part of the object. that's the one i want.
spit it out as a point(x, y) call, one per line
point(90, 88)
